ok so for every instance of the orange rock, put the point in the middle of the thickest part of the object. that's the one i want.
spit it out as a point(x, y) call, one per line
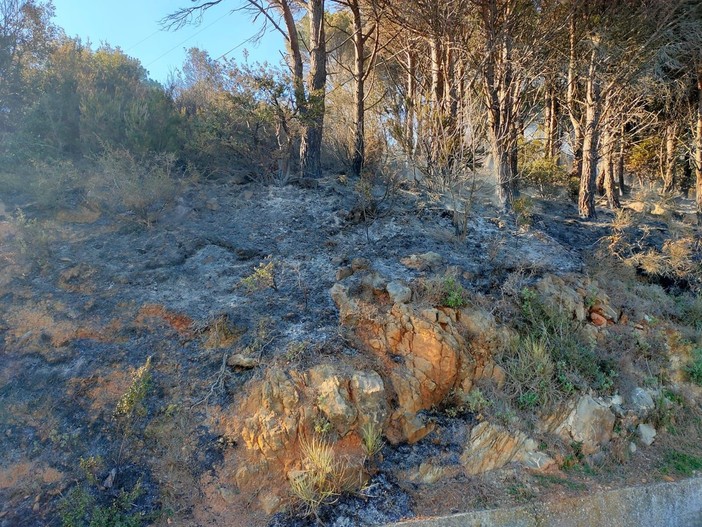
point(597, 319)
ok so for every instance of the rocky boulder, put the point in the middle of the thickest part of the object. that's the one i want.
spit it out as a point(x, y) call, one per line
point(492, 446)
point(587, 421)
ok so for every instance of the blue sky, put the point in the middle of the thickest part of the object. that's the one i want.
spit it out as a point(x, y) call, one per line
point(133, 25)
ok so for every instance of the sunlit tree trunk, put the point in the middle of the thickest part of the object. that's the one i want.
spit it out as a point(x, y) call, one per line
point(586, 195)
point(669, 158)
point(698, 146)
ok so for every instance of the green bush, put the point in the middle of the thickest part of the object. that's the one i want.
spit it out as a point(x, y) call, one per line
point(140, 185)
point(694, 368)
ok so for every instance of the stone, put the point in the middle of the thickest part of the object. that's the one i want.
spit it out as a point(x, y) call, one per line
point(343, 272)
point(348, 307)
point(360, 264)
point(641, 401)
point(491, 447)
point(561, 296)
point(399, 292)
point(212, 204)
point(646, 433)
point(241, 361)
point(333, 398)
point(597, 319)
point(367, 390)
point(587, 421)
point(374, 283)
point(422, 262)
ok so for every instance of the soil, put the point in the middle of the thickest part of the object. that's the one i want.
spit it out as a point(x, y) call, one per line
point(87, 298)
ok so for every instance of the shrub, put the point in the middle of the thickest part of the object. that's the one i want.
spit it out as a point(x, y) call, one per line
point(143, 186)
point(132, 401)
point(262, 277)
point(694, 368)
point(544, 174)
point(323, 477)
point(549, 362)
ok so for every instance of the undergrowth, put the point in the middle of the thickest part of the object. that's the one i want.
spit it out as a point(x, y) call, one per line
point(550, 361)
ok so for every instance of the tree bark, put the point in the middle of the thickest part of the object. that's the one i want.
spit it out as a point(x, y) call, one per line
point(669, 158)
point(551, 122)
point(573, 112)
point(313, 111)
point(620, 160)
point(359, 90)
point(586, 195)
point(698, 146)
point(409, 102)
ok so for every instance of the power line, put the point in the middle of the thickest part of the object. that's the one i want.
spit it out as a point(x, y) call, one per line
point(184, 41)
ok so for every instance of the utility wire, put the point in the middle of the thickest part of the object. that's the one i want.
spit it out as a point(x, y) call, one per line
point(184, 41)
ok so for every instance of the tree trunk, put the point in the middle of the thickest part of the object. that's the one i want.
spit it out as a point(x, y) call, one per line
point(409, 101)
point(620, 160)
point(313, 114)
point(359, 92)
point(669, 158)
point(551, 122)
point(498, 93)
point(698, 146)
point(573, 112)
point(586, 195)
point(609, 167)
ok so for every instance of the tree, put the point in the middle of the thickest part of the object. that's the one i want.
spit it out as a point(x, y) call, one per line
point(310, 93)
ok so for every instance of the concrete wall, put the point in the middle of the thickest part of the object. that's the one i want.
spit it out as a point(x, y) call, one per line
point(676, 504)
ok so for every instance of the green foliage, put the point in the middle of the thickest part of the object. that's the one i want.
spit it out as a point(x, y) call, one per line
point(141, 185)
point(454, 295)
point(544, 174)
point(524, 211)
point(131, 403)
point(549, 361)
point(680, 463)
point(32, 239)
point(372, 439)
point(643, 159)
point(694, 368)
point(262, 277)
point(79, 509)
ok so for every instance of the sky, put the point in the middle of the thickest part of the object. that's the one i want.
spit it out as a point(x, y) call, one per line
point(133, 25)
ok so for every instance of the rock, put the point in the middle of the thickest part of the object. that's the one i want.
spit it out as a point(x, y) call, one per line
point(646, 433)
point(212, 204)
point(269, 502)
point(561, 296)
point(333, 398)
point(348, 307)
point(492, 446)
point(343, 272)
point(641, 401)
point(586, 421)
point(657, 210)
point(367, 390)
point(597, 319)
point(374, 283)
point(360, 264)
point(422, 262)
point(241, 361)
point(637, 206)
point(399, 292)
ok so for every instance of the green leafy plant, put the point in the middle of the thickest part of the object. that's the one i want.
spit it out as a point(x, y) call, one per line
point(694, 368)
point(131, 402)
point(524, 211)
point(454, 295)
point(262, 277)
point(79, 509)
point(680, 463)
